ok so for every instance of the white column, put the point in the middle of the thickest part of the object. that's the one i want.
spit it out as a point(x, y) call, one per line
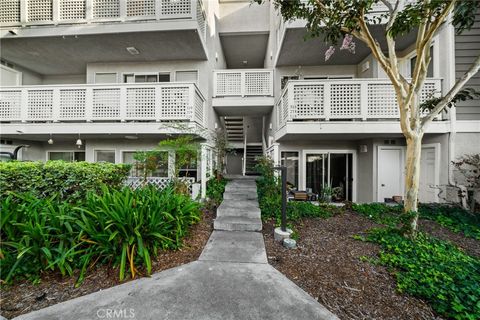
point(203, 171)
point(171, 163)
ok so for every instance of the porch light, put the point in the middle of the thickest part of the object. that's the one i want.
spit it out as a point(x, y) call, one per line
point(79, 142)
point(50, 141)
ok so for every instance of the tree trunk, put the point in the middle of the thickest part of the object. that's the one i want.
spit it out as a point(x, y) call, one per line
point(412, 182)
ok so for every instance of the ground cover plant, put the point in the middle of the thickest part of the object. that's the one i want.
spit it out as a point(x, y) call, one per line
point(120, 227)
point(215, 190)
point(64, 180)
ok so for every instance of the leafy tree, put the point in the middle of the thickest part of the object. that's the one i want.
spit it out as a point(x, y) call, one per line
point(347, 20)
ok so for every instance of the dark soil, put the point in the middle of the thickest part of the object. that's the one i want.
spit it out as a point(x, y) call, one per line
point(327, 265)
point(24, 297)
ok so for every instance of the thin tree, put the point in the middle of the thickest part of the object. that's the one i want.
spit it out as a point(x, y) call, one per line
point(353, 19)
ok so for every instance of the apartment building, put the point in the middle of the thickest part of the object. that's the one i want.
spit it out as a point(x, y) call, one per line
point(97, 80)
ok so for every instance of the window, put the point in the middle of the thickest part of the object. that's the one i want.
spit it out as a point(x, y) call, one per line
point(105, 77)
point(105, 156)
point(186, 76)
point(151, 77)
point(430, 66)
point(159, 159)
point(190, 169)
point(290, 160)
point(67, 155)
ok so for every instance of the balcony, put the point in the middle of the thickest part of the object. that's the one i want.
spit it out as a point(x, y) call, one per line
point(362, 105)
point(101, 104)
point(240, 92)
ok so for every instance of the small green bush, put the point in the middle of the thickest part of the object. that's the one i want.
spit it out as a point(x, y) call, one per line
point(65, 180)
point(215, 190)
point(124, 227)
point(301, 209)
point(432, 269)
point(453, 218)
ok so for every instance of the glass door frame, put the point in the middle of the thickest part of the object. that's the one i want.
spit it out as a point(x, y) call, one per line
point(353, 152)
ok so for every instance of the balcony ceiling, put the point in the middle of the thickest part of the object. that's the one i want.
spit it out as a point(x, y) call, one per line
point(244, 47)
point(63, 55)
point(298, 50)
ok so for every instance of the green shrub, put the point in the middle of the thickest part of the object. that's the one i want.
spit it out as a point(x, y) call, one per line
point(215, 190)
point(64, 180)
point(453, 218)
point(301, 209)
point(379, 212)
point(434, 270)
point(125, 227)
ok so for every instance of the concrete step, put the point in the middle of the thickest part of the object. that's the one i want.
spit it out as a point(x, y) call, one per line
point(237, 224)
point(235, 195)
point(240, 246)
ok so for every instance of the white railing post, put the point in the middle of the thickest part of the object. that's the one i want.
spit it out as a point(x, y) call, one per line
point(203, 169)
point(291, 102)
point(193, 9)
point(23, 12)
point(56, 11)
point(89, 10)
point(364, 100)
point(244, 168)
point(326, 101)
point(56, 105)
point(242, 83)
point(123, 10)
point(123, 103)
point(215, 83)
point(270, 79)
point(88, 104)
point(191, 101)
point(24, 105)
point(158, 103)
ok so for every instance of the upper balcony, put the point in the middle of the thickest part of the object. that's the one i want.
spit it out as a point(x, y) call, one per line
point(365, 106)
point(108, 109)
point(72, 33)
point(291, 39)
point(241, 92)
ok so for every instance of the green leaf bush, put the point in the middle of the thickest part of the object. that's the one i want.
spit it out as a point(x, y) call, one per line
point(215, 190)
point(69, 181)
point(432, 269)
point(123, 227)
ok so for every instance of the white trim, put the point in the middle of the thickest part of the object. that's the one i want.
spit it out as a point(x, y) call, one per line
point(303, 180)
point(437, 149)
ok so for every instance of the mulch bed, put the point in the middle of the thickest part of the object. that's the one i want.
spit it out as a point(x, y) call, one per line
point(327, 265)
point(24, 297)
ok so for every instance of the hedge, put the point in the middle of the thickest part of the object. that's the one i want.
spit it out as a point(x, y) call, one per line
point(65, 180)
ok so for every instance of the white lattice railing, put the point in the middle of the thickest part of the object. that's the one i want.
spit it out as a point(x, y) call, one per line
point(44, 12)
point(248, 82)
point(117, 102)
point(343, 99)
point(159, 182)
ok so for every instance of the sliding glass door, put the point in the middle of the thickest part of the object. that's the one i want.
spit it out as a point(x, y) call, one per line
point(330, 169)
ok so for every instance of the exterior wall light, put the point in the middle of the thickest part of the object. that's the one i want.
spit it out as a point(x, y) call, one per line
point(79, 142)
point(50, 141)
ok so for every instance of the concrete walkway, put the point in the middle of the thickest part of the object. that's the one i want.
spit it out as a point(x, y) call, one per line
point(231, 280)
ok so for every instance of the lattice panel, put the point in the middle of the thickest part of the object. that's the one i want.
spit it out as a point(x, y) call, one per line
point(39, 10)
point(198, 103)
point(257, 83)
point(344, 100)
point(175, 8)
point(72, 9)
point(428, 92)
point(285, 107)
point(175, 103)
point(140, 8)
point(106, 103)
point(104, 9)
point(10, 104)
point(308, 101)
point(40, 104)
point(72, 104)
point(229, 84)
point(202, 24)
point(382, 101)
point(159, 182)
point(141, 103)
point(10, 11)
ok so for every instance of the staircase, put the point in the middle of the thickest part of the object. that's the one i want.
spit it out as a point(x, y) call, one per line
point(234, 129)
point(253, 151)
